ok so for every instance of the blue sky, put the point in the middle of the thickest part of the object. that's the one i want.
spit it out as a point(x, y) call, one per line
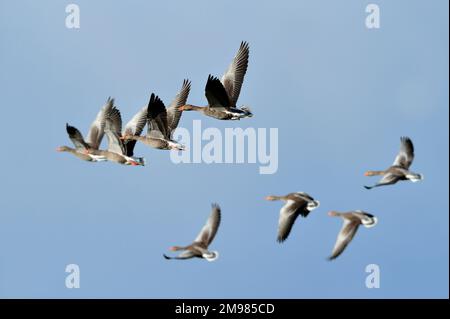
point(340, 94)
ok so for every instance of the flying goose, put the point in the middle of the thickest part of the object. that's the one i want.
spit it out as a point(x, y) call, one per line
point(296, 204)
point(222, 95)
point(161, 122)
point(95, 136)
point(352, 220)
point(119, 151)
point(399, 171)
point(199, 248)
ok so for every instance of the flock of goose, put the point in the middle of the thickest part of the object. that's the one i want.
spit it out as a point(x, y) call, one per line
point(222, 96)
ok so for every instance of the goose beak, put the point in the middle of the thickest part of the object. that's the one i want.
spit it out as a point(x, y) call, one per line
point(332, 214)
point(366, 174)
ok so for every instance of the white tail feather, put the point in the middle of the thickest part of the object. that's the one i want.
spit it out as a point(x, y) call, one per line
point(313, 205)
point(370, 222)
point(415, 177)
point(211, 256)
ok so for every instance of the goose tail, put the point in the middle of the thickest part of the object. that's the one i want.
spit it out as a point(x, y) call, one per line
point(211, 256)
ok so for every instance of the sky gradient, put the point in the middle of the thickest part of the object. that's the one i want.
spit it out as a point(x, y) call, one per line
point(341, 96)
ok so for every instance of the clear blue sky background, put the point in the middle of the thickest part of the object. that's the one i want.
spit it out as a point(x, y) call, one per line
point(340, 94)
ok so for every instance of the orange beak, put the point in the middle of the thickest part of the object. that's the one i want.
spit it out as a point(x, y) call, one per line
point(173, 248)
point(366, 174)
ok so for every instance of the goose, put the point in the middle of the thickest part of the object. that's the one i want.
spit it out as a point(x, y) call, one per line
point(296, 204)
point(399, 171)
point(199, 248)
point(222, 95)
point(95, 136)
point(352, 220)
point(161, 122)
point(118, 151)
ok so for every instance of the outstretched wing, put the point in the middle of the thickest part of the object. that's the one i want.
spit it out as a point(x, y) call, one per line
point(288, 215)
point(209, 231)
point(215, 93)
point(345, 236)
point(157, 118)
point(113, 121)
point(173, 112)
point(405, 156)
point(184, 255)
point(134, 128)
point(115, 145)
point(76, 137)
point(96, 130)
point(234, 77)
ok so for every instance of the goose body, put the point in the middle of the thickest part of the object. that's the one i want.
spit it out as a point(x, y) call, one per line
point(222, 95)
point(352, 221)
point(162, 122)
point(399, 171)
point(81, 154)
point(296, 204)
point(199, 248)
point(94, 139)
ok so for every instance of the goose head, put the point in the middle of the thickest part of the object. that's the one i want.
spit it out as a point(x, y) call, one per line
point(63, 149)
point(186, 107)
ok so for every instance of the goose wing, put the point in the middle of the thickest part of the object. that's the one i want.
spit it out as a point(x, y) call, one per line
point(288, 214)
point(96, 131)
point(389, 179)
point(114, 121)
point(304, 196)
point(134, 128)
point(115, 145)
point(405, 156)
point(184, 255)
point(76, 137)
point(157, 118)
point(345, 236)
point(234, 77)
point(209, 231)
point(216, 94)
point(173, 112)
